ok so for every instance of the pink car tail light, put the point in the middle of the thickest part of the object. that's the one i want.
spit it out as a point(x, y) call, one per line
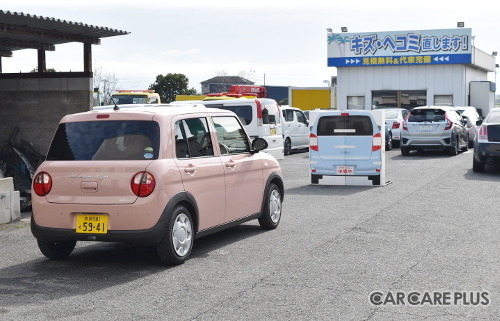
point(396, 125)
point(377, 142)
point(405, 127)
point(42, 184)
point(313, 142)
point(143, 184)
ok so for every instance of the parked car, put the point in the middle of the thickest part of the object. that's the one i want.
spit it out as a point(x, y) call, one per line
point(388, 138)
point(261, 117)
point(472, 116)
point(487, 142)
point(394, 118)
point(295, 129)
point(345, 143)
point(434, 127)
point(160, 176)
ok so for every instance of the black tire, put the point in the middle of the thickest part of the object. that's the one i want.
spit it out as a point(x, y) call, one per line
point(405, 151)
point(466, 146)
point(288, 146)
point(388, 144)
point(471, 144)
point(56, 250)
point(176, 245)
point(477, 166)
point(271, 213)
point(453, 151)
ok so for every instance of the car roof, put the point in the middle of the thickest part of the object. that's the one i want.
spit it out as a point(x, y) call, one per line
point(138, 111)
point(436, 107)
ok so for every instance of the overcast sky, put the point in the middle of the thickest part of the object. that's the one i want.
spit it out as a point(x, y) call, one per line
point(281, 43)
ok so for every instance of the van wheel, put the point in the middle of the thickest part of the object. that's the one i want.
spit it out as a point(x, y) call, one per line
point(176, 245)
point(271, 214)
point(405, 151)
point(56, 250)
point(477, 166)
point(453, 151)
point(288, 146)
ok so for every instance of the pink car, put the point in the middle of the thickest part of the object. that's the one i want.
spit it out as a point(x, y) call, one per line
point(160, 175)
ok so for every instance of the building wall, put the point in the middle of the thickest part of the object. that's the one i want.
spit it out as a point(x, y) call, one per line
point(37, 105)
point(451, 79)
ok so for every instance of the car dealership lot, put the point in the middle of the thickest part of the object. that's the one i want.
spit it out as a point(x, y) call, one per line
point(433, 228)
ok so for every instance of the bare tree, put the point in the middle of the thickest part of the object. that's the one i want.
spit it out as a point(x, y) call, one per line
point(104, 86)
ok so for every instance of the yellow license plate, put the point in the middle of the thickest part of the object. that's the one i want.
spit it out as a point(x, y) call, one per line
point(95, 224)
point(273, 131)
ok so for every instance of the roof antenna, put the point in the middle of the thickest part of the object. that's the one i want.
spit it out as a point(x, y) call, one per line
point(114, 102)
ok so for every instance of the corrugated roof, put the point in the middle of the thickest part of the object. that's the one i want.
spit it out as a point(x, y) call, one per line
point(23, 31)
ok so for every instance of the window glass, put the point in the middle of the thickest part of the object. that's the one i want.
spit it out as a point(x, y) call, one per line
point(270, 113)
point(391, 114)
point(194, 133)
point(300, 116)
point(181, 146)
point(288, 115)
point(407, 99)
point(345, 126)
point(244, 112)
point(443, 100)
point(355, 102)
point(106, 140)
point(130, 99)
point(231, 136)
point(430, 115)
point(493, 118)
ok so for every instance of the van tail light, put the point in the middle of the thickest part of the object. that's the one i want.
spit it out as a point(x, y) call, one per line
point(143, 184)
point(482, 135)
point(405, 127)
point(42, 184)
point(377, 142)
point(259, 113)
point(396, 125)
point(313, 142)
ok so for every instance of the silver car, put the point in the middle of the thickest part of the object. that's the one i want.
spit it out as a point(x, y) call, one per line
point(434, 127)
point(394, 118)
point(473, 118)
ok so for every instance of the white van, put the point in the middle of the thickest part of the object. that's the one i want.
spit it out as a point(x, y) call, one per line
point(295, 129)
point(261, 117)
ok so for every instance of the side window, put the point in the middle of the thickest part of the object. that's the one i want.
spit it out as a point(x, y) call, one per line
point(181, 147)
point(300, 116)
point(289, 115)
point(193, 138)
point(231, 136)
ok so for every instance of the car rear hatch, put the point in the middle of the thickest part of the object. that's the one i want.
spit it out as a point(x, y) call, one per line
point(93, 162)
point(427, 123)
point(345, 137)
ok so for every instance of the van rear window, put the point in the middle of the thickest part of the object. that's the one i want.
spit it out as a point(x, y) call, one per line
point(106, 140)
point(421, 115)
point(345, 126)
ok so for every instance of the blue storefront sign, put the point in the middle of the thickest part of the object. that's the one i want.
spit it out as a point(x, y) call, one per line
point(424, 47)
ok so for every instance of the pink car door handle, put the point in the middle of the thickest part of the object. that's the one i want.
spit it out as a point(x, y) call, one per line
point(190, 169)
point(230, 164)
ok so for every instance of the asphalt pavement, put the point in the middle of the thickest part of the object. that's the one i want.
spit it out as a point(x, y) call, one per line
point(424, 247)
